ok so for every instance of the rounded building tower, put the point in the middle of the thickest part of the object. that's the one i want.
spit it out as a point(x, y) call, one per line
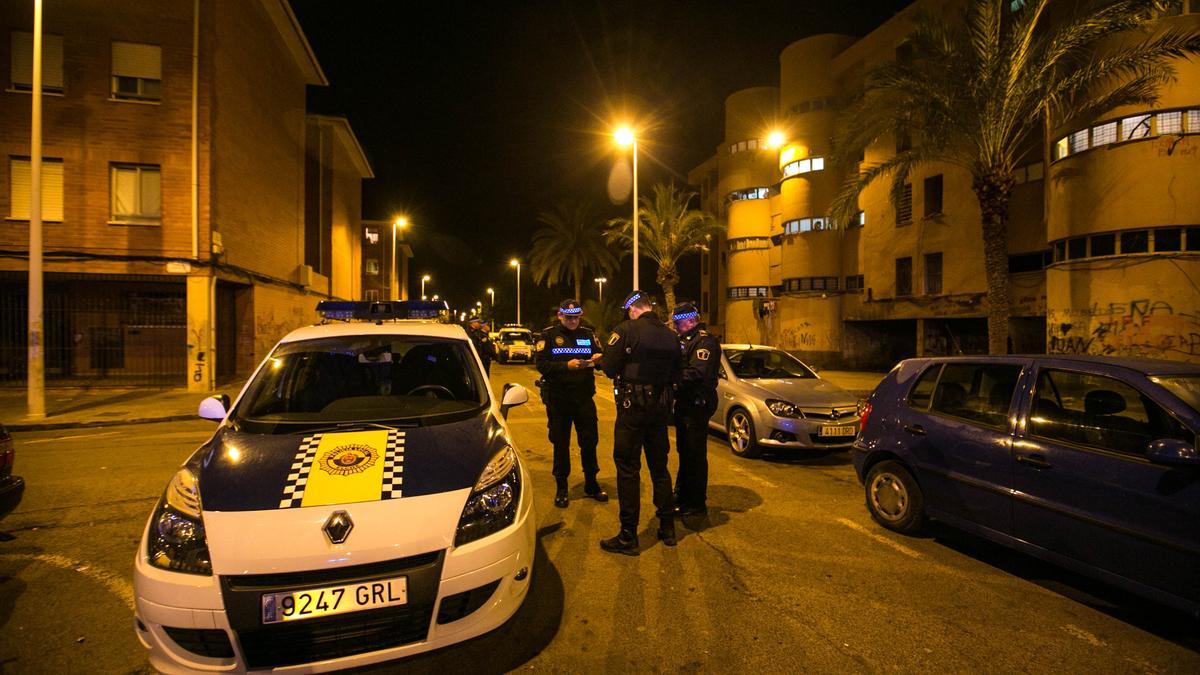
point(748, 169)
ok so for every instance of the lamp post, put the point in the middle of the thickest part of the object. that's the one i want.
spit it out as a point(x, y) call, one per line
point(424, 278)
point(600, 283)
point(478, 308)
point(625, 136)
point(492, 301)
point(397, 225)
point(517, 264)
point(36, 371)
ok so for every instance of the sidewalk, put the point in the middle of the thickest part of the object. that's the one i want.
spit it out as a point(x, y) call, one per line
point(103, 406)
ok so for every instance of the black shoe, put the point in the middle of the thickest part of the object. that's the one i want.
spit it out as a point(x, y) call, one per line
point(560, 498)
point(686, 510)
point(625, 542)
point(666, 531)
point(593, 490)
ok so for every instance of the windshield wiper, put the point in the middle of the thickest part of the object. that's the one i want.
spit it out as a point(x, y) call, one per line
point(348, 426)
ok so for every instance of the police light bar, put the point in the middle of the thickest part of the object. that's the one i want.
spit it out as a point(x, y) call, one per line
point(341, 310)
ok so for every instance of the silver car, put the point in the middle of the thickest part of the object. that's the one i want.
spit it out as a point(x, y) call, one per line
point(767, 398)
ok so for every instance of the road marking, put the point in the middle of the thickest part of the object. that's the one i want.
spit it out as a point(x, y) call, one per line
point(63, 438)
point(1076, 631)
point(754, 477)
point(115, 584)
point(880, 538)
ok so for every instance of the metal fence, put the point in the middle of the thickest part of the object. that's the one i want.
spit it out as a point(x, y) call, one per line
point(98, 332)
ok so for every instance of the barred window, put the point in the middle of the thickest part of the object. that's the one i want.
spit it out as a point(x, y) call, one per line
point(1104, 134)
point(1062, 148)
point(904, 208)
point(1170, 122)
point(752, 193)
point(1137, 126)
point(854, 282)
point(1193, 121)
point(1079, 141)
point(798, 284)
point(806, 165)
point(738, 292)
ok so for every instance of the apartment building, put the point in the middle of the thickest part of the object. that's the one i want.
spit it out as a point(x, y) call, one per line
point(193, 210)
point(1104, 230)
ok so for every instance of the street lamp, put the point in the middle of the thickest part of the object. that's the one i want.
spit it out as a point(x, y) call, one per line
point(775, 139)
point(517, 264)
point(423, 280)
point(625, 136)
point(600, 282)
point(397, 225)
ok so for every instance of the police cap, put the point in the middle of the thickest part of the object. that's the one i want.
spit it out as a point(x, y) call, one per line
point(570, 307)
point(684, 310)
point(635, 297)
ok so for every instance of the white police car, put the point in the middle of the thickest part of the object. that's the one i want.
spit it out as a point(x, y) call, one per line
point(362, 500)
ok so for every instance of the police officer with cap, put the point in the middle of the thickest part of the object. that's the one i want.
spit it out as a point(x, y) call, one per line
point(566, 357)
point(483, 343)
point(695, 402)
point(642, 356)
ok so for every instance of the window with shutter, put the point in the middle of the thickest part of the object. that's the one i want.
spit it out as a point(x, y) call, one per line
point(20, 172)
point(136, 71)
point(21, 63)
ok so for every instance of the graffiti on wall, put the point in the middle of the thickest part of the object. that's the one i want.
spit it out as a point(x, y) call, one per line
point(1150, 328)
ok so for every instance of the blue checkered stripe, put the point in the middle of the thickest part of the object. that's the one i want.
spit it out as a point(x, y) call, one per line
point(293, 491)
point(393, 465)
point(571, 350)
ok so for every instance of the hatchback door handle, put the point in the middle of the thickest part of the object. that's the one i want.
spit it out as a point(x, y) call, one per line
point(915, 429)
point(1036, 461)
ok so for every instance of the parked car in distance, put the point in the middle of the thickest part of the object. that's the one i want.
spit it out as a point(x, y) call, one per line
point(12, 488)
point(514, 344)
point(1086, 462)
point(767, 398)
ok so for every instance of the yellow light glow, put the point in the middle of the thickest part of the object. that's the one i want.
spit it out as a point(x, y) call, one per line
point(775, 139)
point(233, 454)
point(787, 155)
point(491, 290)
point(276, 364)
point(426, 278)
point(401, 222)
point(624, 136)
point(514, 262)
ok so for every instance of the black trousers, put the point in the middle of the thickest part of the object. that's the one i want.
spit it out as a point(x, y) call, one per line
point(566, 407)
point(642, 425)
point(691, 440)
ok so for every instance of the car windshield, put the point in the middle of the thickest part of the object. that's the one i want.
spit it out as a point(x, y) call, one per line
point(364, 378)
point(767, 364)
point(1185, 387)
point(510, 337)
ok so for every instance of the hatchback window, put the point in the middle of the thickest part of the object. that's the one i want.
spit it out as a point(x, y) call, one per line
point(922, 392)
point(513, 337)
point(1185, 387)
point(1099, 411)
point(368, 378)
point(979, 392)
point(767, 364)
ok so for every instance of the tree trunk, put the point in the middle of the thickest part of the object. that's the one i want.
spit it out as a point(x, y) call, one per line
point(993, 190)
point(667, 278)
point(578, 283)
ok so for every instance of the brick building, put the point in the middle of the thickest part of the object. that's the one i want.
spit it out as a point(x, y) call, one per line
point(1104, 240)
point(193, 211)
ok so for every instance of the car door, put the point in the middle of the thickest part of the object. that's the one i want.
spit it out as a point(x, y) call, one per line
point(1085, 489)
point(957, 423)
point(724, 393)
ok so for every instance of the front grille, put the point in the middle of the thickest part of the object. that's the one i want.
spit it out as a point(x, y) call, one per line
point(831, 440)
point(847, 413)
point(335, 637)
point(210, 642)
point(459, 605)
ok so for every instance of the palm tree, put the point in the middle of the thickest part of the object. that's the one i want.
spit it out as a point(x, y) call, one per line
point(975, 94)
point(570, 241)
point(669, 230)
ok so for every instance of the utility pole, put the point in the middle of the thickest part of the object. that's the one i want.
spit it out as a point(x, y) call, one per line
point(36, 372)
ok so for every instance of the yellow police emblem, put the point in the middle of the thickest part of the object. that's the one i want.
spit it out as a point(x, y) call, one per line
point(541, 344)
point(612, 340)
point(558, 340)
point(346, 460)
point(702, 354)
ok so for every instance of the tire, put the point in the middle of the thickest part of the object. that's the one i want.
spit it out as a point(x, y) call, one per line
point(739, 429)
point(894, 498)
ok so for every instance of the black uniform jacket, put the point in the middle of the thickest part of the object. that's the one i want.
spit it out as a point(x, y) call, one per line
point(701, 359)
point(643, 351)
point(556, 347)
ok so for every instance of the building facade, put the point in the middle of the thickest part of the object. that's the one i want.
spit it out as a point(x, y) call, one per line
point(193, 210)
point(1104, 237)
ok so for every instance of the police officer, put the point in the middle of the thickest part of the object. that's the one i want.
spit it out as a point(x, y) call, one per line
point(642, 356)
point(695, 402)
point(483, 343)
point(566, 357)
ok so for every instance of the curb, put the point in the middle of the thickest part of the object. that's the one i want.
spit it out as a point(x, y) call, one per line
point(92, 424)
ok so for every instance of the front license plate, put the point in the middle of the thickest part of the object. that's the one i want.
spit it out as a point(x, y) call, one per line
point(838, 431)
point(314, 602)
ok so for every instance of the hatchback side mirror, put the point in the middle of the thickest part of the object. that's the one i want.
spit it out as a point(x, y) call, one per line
point(1172, 451)
point(215, 407)
point(514, 395)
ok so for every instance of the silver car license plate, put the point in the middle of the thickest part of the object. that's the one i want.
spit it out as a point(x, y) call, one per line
point(838, 431)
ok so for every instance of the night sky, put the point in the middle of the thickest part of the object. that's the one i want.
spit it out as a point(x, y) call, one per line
point(477, 116)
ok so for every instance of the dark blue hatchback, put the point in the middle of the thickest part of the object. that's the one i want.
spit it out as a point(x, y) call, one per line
point(1089, 463)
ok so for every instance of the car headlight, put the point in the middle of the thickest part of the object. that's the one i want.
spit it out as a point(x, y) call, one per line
point(783, 408)
point(176, 540)
point(492, 505)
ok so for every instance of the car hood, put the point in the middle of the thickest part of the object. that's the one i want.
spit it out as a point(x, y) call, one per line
point(800, 392)
point(240, 471)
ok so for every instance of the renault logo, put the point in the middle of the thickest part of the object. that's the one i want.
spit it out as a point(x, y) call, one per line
point(338, 527)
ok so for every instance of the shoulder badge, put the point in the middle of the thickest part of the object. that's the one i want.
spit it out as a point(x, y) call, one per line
point(558, 340)
point(612, 340)
point(541, 344)
point(702, 354)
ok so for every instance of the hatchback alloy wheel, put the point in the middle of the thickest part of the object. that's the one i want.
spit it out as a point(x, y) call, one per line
point(742, 438)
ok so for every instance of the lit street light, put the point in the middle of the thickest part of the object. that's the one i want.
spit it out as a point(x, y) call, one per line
point(600, 283)
point(625, 136)
point(775, 139)
point(399, 224)
point(423, 280)
point(492, 303)
point(517, 264)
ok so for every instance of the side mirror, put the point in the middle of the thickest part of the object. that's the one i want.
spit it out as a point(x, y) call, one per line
point(514, 395)
point(215, 407)
point(1172, 451)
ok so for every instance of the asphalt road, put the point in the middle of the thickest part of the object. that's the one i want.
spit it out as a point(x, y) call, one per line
point(787, 573)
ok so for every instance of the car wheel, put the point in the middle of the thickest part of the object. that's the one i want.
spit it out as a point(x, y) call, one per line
point(742, 439)
point(894, 498)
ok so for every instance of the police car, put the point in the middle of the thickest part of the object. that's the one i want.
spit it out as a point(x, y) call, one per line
point(361, 500)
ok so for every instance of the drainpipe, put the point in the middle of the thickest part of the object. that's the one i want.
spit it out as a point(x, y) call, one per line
point(195, 131)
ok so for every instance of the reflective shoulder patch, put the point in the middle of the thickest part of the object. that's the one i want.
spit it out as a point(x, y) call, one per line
point(614, 338)
point(702, 354)
point(558, 340)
